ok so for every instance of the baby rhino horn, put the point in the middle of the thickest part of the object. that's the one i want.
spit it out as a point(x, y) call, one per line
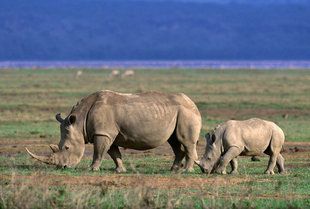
point(197, 162)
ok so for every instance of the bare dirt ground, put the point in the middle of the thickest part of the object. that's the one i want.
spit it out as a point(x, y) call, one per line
point(14, 146)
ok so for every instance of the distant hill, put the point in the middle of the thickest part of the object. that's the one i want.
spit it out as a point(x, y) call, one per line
point(159, 30)
point(236, 1)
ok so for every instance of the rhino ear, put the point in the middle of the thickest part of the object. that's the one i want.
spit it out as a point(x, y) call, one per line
point(213, 138)
point(207, 136)
point(209, 142)
point(54, 148)
point(58, 118)
point(72, 119)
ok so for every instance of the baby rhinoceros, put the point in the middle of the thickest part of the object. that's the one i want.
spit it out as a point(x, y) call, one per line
point(250, 138)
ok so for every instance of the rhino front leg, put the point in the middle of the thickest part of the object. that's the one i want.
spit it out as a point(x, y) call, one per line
point(101, 146)
point(229, 156)
point(117, 158)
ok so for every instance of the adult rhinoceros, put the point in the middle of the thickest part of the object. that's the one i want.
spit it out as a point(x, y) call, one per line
point(250, 137)
point(143, 121)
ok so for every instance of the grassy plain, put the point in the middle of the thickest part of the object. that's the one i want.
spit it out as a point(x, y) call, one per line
point(30, 98)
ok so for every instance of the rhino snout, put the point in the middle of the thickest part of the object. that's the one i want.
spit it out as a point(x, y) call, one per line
point(61, 166)
point(204, 170)
point(202, 167)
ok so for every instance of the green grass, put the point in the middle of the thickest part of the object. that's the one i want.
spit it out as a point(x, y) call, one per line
point(291, 189)
point(29, 129)
point(30, 99)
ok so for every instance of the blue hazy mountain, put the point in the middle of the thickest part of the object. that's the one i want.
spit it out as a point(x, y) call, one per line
point(154, 29)
point(236, 1)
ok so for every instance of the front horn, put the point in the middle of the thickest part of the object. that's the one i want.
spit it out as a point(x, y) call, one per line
point(46, 159)
point(197, 162)
point(58, 118)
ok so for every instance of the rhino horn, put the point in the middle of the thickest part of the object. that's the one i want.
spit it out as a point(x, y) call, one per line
point(54, 148)
point(197, 162)
point(208, 138)
point(46, 159)
point(58, 118)
point(203, 170)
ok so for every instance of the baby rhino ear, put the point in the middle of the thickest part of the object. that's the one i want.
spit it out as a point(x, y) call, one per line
point(213, 138)
point(54, 148)
point(58, 118)
point(208, 140)
point(72, 119)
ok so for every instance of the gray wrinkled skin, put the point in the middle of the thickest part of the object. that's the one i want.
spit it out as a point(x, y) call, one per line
point(111, 120)
point(251, 137)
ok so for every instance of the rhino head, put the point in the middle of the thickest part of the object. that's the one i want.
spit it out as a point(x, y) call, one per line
point(210, 160)
point(71, 147)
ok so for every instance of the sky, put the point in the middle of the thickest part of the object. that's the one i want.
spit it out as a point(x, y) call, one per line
point(154, 30)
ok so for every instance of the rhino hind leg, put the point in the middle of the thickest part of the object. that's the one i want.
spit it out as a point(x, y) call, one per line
point(273, 151)
point(178, 152)
point(280, 164)
point(271, 164)
point(191, 156)
point(187, 132)
point(275, 157)
point(117, 158)
point(272, 160)
point(234, 166)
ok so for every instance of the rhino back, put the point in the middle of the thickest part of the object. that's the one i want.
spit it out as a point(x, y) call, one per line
point(254, 135)
point(142, 121)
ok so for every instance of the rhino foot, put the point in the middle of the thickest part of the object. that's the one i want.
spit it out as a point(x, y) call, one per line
point(283, 172)
point(176, 168)
point(190, 170)
point(220, 171)
point(223, 172)
point(93, 169)
point(120, 170)
point(234, 172)
point(268, 172)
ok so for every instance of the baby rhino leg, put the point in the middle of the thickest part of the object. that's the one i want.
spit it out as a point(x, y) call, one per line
point(234, 166)
point(231, 153)
point(117, 158)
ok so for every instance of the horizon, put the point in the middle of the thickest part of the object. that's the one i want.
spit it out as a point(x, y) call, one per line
point(158, 64)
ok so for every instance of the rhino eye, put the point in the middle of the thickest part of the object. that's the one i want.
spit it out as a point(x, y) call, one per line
point(66, 147)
